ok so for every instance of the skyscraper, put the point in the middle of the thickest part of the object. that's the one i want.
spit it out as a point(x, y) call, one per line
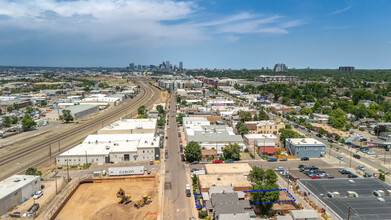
point(280, 67)
point(131, 66)
point(180, 66)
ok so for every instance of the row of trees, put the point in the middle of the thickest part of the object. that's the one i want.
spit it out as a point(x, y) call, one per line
point(192, 152)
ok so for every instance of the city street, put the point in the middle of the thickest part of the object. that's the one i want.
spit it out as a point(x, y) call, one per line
point(175, 203)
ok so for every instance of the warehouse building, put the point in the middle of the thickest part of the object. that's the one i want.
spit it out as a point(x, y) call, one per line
point(77, 111)
point(17, 189)
point(214, 137)
point(305, 147)
point(352, 199)
point(131, 126)
point(101, 149)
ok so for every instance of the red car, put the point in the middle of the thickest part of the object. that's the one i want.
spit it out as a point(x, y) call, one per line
point(217, 161)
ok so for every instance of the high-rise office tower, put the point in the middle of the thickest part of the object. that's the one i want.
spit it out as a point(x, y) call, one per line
point(180, 66)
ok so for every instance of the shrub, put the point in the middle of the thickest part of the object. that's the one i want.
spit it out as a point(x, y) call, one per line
point(202, 214)
point(252, 155)
point(246, 150)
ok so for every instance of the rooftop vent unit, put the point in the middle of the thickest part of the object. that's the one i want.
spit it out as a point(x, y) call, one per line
point(107, 147)
point(16, 180)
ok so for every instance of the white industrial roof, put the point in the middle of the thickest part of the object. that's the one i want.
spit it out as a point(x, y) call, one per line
point(104, 148)
point(79, 108)
point(106, 138)
point(129, 124)
point(304, 141)
point(9, 185)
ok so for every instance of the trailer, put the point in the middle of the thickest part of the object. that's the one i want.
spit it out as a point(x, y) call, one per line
point(126, 171)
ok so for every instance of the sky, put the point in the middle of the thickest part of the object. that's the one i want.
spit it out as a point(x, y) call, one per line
point(201, 33)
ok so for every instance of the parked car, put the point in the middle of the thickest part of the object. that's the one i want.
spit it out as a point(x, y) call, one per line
point(38, 195)
point(229, 161)
point(279, 169)
point(305, 158)
point(302, 166)
point(367, 174)
point(343, 171)
point(204, 162)
point(182, 157)
point(370, 152)
point(272, 159)
point(217, 161)
point(356, 156)
point(340, 158)
point(352, 175)
point(283, 159)
point(361, 167)
point(376, 193)
point(194, 169)
point(194, 162)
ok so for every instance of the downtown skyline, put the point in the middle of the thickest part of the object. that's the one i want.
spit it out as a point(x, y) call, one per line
point(202, 34)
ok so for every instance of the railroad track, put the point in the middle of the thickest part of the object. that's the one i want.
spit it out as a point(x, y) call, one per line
point(91, 126)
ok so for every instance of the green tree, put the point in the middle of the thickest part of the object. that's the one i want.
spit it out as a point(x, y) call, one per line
point(382, 175)
point(337, 118)
point(16, 106)
point(33, 171)
point(161, 111)
point(6, 121)
point(44, 103)
point(180, 118)
point(288, 133)
point(29, 109)
point(263, 115)
point(379, 129)
point(142, 116)
point(10, 108)
point(192, 152)
point(342, 141)
point(232, 151)
point(322, 131)
point(160, 123)
point(288, 126)
point(184, 102)
point(297, 101)
point(27, 122)
point(66, 116)
point(141, 110)
point(256, 174)
point(243, 130)
point(317, 107)
point(244, 116)
point(14, 120)
point(263, 196)
point(178, 99)
point(306, 111)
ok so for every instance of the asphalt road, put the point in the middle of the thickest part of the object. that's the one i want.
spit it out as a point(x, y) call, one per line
point(176, 204)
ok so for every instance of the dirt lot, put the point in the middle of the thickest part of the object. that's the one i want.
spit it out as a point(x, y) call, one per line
point(99, 201)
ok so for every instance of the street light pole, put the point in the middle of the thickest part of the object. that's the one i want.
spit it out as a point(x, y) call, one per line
point(385, 154)
point(350, 165)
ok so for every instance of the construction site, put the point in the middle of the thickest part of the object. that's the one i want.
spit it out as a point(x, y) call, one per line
point(112, 198)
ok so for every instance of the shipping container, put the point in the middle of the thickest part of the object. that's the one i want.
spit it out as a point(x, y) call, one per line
point(125, 171)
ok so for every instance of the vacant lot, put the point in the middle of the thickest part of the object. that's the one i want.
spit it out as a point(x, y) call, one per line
point(99, 201)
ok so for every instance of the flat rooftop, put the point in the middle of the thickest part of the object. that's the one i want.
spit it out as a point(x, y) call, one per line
point(105, 148)
point(9, 185)
point(366, 206)
point(228, 168)
point(234, 180)
point(130, 124)
point(304, 141)
point(107, 138)
point(79, 108)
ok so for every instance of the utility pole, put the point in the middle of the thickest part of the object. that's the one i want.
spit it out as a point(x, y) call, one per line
point(385, 154)
point(350, 165)
point(50, 151)
point(67, 170)
point(349, 213)
point(55, 179)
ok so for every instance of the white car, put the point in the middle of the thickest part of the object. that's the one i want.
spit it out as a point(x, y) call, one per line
point(279, 169)
point(340, 158)
point(371, 152)
point(361, 167)
point(38, 195)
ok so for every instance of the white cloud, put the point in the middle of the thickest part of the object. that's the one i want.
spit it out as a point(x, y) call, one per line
point(133, 22)
point(339, 11)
